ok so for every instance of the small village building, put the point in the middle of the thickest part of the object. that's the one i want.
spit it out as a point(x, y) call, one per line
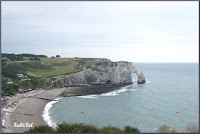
point(25, 91)
point(20, 90)
point(20, 75)
point(18, 94)
point(29, 89)
point(9, 81)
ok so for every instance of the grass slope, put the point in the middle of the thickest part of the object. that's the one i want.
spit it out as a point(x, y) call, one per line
point(41, 72)
point(47, 67)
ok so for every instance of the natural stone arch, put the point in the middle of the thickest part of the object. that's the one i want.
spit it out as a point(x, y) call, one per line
point(141, 78)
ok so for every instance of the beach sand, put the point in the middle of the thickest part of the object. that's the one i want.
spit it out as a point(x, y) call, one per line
point(30, 111)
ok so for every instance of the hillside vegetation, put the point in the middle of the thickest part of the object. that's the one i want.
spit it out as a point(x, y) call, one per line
point(39, 69)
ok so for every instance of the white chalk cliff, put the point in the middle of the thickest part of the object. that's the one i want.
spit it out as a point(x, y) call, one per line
point(114, 72)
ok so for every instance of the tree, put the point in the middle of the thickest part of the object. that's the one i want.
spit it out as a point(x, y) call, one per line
point(57, 56)
point(10, 89)
point(34, 58)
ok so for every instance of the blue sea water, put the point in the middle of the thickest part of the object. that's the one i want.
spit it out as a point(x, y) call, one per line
point(170, 88)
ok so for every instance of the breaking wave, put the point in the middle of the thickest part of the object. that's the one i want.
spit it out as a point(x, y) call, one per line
point(88, 96)
point(148, 81)
point(46, 116)
point(121, 91)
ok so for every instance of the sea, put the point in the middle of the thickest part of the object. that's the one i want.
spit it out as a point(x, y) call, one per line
point(170, 97)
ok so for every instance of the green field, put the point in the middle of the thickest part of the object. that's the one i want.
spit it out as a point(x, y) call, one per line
point(47, 67)
point(41, 72)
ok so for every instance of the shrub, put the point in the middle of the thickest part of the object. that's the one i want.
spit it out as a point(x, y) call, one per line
point(3, 60)
point(10, 89)
point(192, 129)
point(34, 59)
point(13, 57)
point(110, 129)
point(41, 129)
point(63, 128)
point(85, 128)
point(174, 130)
point(129, 129)
point(57, 56)
point(76, 128)
point(164, 129)
point(80, 128)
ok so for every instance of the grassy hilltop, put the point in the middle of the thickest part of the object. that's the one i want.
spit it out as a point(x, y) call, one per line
point(39, 69)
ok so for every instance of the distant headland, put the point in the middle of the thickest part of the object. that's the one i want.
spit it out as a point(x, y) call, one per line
point(28, 71)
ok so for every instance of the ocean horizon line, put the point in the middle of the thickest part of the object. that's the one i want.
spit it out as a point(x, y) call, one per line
point(168, 62)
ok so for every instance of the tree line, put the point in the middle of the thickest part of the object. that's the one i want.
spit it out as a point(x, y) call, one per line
point(19, 57)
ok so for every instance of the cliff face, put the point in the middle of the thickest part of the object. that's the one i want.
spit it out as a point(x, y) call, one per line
point(114, 72)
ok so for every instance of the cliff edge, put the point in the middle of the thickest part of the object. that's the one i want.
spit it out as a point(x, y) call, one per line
point(101, 73)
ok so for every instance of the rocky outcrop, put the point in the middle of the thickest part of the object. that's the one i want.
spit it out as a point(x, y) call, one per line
point(101, 73)
point(141, 78)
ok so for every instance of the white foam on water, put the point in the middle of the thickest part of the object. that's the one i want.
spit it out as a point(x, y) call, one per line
point(155, 129)
point(148, 81)
point(115, 92)
point(88, 96)
point(123, 90)
point(46, 116)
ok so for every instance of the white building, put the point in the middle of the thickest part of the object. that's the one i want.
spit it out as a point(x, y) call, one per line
point(20, 75)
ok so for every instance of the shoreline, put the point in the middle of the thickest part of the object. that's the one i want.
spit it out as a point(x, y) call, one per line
point(90, 90)
point(30, 111)
point(33, 108)
point(46, 116)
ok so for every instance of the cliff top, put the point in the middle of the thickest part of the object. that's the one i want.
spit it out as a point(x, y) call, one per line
point(39, 70)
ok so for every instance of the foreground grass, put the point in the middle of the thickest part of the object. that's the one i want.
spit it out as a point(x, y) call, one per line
point(85, 128)
point(81, 128)
point(167, 129)
point(192, 129)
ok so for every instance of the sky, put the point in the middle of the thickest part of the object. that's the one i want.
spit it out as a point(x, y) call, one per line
point(130, 31)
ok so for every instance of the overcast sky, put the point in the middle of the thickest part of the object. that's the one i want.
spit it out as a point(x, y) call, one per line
point(131, 31)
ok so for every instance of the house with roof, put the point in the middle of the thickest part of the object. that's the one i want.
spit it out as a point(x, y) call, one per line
point(20, 75)
point(9, 81)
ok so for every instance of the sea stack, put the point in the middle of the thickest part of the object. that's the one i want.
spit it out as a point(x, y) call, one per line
point(141, 78)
